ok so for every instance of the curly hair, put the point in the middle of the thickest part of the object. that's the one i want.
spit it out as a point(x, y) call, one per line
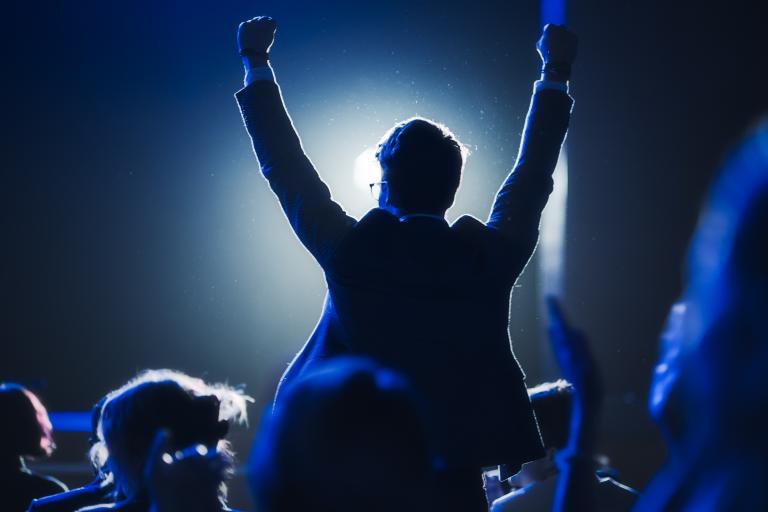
point(189, 409)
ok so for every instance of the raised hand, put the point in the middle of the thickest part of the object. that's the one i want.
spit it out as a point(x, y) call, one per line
point(255, 36)
point(557, 45)
point(557, 48)
point(574, 358)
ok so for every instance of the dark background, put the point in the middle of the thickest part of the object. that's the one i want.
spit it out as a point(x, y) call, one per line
point(137, 231)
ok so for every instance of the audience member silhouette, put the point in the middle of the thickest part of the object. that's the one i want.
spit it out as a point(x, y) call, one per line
point(418, 295)
point(707, 394)
point(99, 491)
point(534, 486)
point(25, 432)
point(348, 435)
point(189, 411)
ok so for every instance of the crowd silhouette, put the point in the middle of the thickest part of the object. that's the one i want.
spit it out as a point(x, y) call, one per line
point(407, 397)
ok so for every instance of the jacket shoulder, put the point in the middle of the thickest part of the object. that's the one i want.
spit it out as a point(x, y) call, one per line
point(376, 217)
point(469, 224)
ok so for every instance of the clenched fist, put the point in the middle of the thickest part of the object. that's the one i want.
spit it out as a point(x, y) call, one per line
point(255, 37)
point(557, 48)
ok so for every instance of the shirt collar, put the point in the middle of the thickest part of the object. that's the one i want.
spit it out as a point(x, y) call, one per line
point(427, 215)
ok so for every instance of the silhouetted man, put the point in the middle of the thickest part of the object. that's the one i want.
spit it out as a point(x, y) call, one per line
point(428, 299)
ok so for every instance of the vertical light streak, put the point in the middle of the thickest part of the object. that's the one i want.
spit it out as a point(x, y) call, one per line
point(552, 241)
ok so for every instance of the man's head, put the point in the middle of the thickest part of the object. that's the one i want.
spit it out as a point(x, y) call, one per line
point(25, 430)
point(725, 331)
point(421, 163)
point(342, 433)
point(551, 403)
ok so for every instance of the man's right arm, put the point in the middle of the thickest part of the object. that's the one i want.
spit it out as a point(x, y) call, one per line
point(319, 222)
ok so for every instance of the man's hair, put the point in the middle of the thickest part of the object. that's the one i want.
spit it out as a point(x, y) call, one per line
point(551, 403)
point(421, 161)
point(25, 429)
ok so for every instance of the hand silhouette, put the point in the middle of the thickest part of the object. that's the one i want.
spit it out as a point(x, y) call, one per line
point(186, 480)
point(574, 357)
point(255, 36)
point(557, 45)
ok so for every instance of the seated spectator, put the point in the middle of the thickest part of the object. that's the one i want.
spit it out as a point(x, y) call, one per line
point(189, 412)
point(347, 437)
point(534, 486)
point(708, 395)
point(99, 491)
point(25, 432)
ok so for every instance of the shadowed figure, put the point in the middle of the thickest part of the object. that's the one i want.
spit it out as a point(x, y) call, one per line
point(423, 297)
point(189, 413)
point(99, 491)
point(25, 432)
point(708, 394)
point(348, 435)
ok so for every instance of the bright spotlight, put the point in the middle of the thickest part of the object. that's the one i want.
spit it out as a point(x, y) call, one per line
point(552, 240)
point(367, 169)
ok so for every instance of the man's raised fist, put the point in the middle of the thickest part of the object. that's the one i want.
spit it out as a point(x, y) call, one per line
point(255, 36)
point(557, 45)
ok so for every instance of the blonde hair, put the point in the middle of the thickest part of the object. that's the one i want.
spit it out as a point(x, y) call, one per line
point(129, 413)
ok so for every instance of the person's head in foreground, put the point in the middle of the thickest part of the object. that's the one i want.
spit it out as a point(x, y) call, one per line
point(348, 436)
point(727, 295)
point(25, 433)
point(25, 430)
point(98, 491)
point(715, 351)
point(421, 163)
point(189, 411)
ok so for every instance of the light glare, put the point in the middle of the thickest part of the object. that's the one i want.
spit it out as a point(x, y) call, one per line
point(367, 169)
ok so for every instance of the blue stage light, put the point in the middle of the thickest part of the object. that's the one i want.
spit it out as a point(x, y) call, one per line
point(71, 421)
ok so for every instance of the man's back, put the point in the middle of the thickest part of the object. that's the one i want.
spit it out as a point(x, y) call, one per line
point(431, 301)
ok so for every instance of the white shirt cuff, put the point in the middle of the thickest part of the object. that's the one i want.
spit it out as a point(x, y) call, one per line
point(260, 73)
point(550, 84)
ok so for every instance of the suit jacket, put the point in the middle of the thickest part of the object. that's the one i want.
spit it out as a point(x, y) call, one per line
point(428, 299)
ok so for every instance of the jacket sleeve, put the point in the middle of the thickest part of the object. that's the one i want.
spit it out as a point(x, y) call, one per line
point(318, 221)
point(516, 212)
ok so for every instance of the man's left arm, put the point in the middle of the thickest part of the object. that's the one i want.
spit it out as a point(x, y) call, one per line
point(517, 209)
